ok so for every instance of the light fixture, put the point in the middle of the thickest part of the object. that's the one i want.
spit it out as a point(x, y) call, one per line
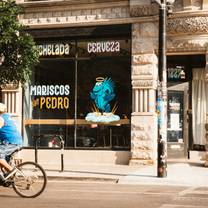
point(169, 5)
point(168, 2)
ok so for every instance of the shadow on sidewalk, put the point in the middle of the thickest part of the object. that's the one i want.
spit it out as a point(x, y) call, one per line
point(86, 172)
point(132, 173)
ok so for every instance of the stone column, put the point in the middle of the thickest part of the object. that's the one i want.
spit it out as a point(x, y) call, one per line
point(144, 84)
point(205, 4)
point(206, 125)
point(12, 98)
point(206, 144)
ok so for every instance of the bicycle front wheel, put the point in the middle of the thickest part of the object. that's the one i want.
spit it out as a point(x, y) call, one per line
point(30, 180)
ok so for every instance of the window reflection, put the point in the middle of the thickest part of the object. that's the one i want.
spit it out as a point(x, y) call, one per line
point(58, 98)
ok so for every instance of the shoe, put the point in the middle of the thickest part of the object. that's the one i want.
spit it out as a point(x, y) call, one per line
point(11, 173)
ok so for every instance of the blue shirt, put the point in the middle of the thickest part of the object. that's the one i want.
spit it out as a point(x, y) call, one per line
point(9, 132)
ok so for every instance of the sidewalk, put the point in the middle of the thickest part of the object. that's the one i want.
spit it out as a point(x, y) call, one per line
point(182, 173)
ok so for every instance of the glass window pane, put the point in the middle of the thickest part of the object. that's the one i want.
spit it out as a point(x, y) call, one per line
point(104, 92)
point(51, 99)
point(175, 116)
point(63, 89)
point(52, 91)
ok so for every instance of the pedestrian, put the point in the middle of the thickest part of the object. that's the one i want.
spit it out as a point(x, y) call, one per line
point(10, 138)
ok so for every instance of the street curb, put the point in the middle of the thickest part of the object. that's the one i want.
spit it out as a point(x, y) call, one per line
point(88, 179)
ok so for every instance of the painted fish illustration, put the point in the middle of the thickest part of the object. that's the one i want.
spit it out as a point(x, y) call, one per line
point(102, 93)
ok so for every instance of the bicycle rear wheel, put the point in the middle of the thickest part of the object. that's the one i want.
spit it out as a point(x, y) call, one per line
point(30, 180)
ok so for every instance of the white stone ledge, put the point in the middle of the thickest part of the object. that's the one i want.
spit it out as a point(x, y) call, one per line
point(35, 24)
point(144, 114)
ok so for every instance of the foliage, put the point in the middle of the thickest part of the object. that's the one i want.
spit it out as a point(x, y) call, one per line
point(16, 45)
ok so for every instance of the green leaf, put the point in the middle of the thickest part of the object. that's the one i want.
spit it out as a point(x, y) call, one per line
point(17, 46)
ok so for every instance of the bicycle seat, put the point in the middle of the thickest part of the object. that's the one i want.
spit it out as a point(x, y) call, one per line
point(8, 157)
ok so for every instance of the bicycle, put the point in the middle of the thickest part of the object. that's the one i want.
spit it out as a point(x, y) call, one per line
point(28, 181)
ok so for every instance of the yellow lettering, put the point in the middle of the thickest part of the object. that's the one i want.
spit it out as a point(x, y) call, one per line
point(42, 102)
point(53, 103)
point(60, 102)
point(66, 102)
point(48, 103)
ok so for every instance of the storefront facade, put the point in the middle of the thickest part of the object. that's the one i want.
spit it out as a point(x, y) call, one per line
point(86, 44)
point(81, 89)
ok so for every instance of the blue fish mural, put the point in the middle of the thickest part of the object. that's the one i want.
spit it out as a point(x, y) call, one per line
point(102, 93)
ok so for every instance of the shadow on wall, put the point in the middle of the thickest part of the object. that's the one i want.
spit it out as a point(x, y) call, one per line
point(122, 157)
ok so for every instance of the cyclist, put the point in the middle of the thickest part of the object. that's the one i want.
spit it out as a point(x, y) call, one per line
point(10, 138)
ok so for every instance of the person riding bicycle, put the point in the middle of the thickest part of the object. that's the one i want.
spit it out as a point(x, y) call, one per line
point(10, 138)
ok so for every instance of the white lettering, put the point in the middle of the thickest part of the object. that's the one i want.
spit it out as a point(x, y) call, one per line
point(44, 53)
point(61, 90)
point(57, 49)
point(99, 48)
point(32, 90)
point(38, 90)
point(94, 47)
point(108, 48)
point(117, 46)
point(49, 50)
point(54, 49)
point(67, 49)
point(103, 47)
point(51, 90)
point(40, 49)
point(67, 89)
point(46, 90)
point(62, 50)
point(89, 47)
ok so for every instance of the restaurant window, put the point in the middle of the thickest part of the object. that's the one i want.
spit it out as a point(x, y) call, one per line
point(82, 94)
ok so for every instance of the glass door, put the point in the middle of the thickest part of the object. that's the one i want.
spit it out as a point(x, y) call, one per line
point(177, 128)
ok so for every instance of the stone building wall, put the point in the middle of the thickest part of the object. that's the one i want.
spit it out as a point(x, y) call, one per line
point(144, 84)
point(187, 33)
point(68, 13)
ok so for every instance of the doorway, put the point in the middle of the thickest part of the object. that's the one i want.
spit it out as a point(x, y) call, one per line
point(177, 127)
point(180, 106)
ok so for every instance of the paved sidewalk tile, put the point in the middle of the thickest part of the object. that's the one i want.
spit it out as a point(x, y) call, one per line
point(183, 174)
point(180, 174)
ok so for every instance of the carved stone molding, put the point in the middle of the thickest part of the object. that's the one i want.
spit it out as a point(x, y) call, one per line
point(189, 43)
point(144, 59)
point(143, 10)
point(11, 86)
point(144, 72)
point(69, 16)
point(144, 83)
point(187, 25)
